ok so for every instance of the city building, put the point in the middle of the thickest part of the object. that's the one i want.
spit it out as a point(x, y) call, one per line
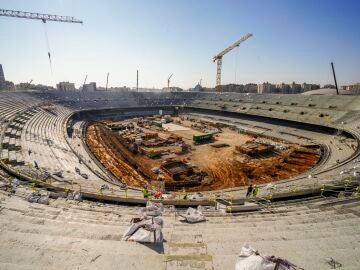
point(265, 88)
point(43, 87)
point(237, 88)
point(4, 84)
point(2, 76)
point(309, 87)
point(331, 86)
point(24, 85)
point(295, 88)
point(250, 88)
point(8, 86)
point(65, 86)
point(89, 87)
point(352, 88)
point(283, 88)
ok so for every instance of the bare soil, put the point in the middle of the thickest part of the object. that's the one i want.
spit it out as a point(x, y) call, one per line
point(225, 167)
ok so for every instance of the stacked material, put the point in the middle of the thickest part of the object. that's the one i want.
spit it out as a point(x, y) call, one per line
point(40, 196)
point(250, 259)
point(75, 196)
point(194, 215)
point(147, 228)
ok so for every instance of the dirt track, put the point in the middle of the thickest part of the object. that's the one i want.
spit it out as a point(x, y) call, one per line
point(111, 160)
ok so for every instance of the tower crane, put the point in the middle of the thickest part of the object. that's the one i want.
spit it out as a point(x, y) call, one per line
point(219, 57)
point(169, 80)
point(85, 81)
point(39, 16)
point(29, 83)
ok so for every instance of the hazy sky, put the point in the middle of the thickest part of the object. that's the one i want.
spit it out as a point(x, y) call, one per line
point(294, 40)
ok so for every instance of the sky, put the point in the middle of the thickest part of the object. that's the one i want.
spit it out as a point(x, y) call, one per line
point(294, 40)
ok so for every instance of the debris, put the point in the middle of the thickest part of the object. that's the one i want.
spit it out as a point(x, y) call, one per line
point(94, 259)
point(147, 230)
point(41, 197)
point(194, 215)
point(3, 186)
point(334, 264)
point(58, 174)
point(220, 145)
point(250, 259)
point(14, 185)
point(270, 186)
point(104, 187)
point(76, 196)
point(152, 209)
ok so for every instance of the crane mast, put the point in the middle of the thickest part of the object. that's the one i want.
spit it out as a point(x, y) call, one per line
point(220, 55)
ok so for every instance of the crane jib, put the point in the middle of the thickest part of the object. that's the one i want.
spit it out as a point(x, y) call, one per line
point(38, 16)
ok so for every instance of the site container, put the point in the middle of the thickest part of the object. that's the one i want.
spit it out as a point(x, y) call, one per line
point(157, 123)
point(153, 154)
point(202, 137)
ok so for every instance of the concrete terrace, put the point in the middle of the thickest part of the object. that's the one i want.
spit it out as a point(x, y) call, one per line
point(87, 235)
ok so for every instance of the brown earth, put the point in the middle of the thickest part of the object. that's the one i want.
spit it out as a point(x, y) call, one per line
point(224, 166)
point(111, 160)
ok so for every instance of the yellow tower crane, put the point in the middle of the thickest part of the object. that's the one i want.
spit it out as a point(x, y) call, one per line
point(219, 57)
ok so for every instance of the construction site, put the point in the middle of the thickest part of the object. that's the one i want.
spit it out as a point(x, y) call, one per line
point(185, 152)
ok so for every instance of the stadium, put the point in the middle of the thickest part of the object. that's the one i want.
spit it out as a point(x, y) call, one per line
point(74, 166)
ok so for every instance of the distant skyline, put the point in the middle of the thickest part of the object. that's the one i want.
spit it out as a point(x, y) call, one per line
point(293, 41)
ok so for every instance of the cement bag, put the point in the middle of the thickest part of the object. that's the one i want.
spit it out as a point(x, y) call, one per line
point(153, 209)
point(147, 235)
point(249, 259)
point(76, 196)
point(14, 185)
point(194, 215)
point(145, 231)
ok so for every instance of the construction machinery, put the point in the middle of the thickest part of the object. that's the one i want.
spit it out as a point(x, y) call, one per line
point(219, 57)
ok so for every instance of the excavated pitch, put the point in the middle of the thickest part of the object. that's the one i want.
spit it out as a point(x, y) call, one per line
point(225, 167)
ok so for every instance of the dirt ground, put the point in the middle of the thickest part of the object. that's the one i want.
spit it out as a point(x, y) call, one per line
point(225, 167)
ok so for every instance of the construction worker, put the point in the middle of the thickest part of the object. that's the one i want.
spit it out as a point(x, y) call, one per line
point(145, 192)
point(158, 194)
point(255, 190)
point(249, 191)
point(185, 195)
